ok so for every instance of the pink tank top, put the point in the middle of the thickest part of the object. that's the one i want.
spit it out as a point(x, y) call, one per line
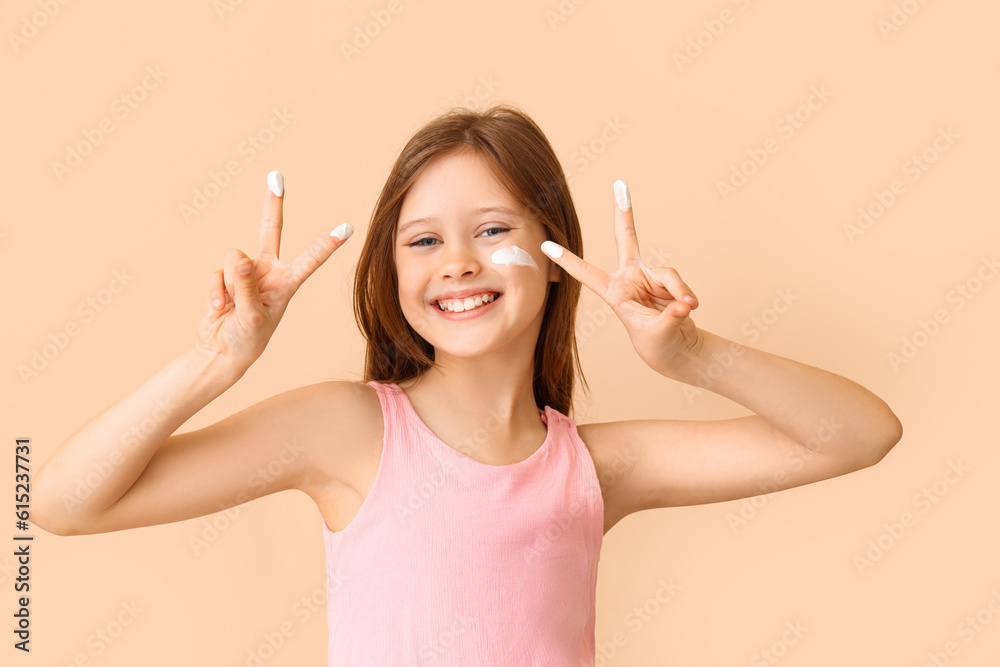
point(451, 561)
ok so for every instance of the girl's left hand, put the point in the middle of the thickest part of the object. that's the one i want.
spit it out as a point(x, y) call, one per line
point(654, 303)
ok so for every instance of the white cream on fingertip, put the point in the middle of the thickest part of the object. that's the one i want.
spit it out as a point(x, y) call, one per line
point(552, 249)
point(276, 182)
point(343, 231)
point(622, 195)
point(515, 256)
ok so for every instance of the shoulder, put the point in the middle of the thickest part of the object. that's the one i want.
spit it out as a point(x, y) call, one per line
point(602, 440)
point(343, 420)
point(347, 408)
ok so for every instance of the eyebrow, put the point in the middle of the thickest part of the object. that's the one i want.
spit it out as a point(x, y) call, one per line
point(477, 211)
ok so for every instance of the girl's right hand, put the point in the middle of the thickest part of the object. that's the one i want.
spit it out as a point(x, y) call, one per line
point(244, 309)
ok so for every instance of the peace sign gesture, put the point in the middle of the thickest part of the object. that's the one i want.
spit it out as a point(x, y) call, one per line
point(248, 297)
point(652, 303)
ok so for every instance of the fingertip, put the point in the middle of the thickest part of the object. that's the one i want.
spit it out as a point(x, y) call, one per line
point(343, 231)
point(276, 183)
point(622, 195)
point(552, 249)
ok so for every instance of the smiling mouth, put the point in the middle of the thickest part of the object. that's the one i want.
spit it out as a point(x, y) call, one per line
point(462, 305)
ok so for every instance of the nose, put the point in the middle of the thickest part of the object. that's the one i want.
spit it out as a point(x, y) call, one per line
point(459, 259)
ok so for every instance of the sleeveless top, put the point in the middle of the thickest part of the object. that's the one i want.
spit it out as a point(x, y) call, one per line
point(451, 561)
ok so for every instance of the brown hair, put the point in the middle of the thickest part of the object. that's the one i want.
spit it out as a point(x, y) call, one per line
point(522, 160)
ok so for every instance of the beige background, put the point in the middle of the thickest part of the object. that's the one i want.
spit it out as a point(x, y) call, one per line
point(673, 133)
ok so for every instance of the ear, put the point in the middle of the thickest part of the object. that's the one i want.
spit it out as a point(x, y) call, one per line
point(555, 271)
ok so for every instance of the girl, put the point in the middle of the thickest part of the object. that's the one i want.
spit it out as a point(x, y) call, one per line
point(463, 510)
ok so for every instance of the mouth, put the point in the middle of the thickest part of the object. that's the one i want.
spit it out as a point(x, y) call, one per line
point(485, 300)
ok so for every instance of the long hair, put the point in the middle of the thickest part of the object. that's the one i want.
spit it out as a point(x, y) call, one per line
point(522, 160)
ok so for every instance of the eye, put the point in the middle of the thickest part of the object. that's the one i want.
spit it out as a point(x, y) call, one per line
point(496, 229)
point(420, 242)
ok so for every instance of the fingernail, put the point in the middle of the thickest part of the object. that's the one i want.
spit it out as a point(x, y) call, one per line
point(689, 298)
point(244, 269)
point(552, 249)
point(622, 196)
point(217, 303)
point(276, 182)
point(343, 231)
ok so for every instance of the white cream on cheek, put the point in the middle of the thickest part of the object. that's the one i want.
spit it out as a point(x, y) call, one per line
point(514, 255)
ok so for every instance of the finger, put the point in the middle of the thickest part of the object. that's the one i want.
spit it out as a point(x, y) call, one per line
point(270, 223)
point(314, 256)
point(674, 284)
point(248, 305)
point(588, 274)
point(229, 270)
point(625, 237)
point(677, 310)
point(217, 290)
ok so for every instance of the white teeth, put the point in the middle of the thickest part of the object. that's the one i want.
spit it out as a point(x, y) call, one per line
point(461, 305)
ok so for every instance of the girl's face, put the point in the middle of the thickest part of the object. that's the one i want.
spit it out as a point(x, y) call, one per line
point(446, 241)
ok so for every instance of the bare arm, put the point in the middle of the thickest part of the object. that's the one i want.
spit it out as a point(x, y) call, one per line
point(96, 465)
point(307, 438)
point(822, 411)
point(77, 488)
point(810, 425)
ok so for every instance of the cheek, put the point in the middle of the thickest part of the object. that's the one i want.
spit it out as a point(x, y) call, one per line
point(514, 258)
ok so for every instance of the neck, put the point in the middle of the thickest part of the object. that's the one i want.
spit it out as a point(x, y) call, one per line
point(507, 398)
point(488, 421)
